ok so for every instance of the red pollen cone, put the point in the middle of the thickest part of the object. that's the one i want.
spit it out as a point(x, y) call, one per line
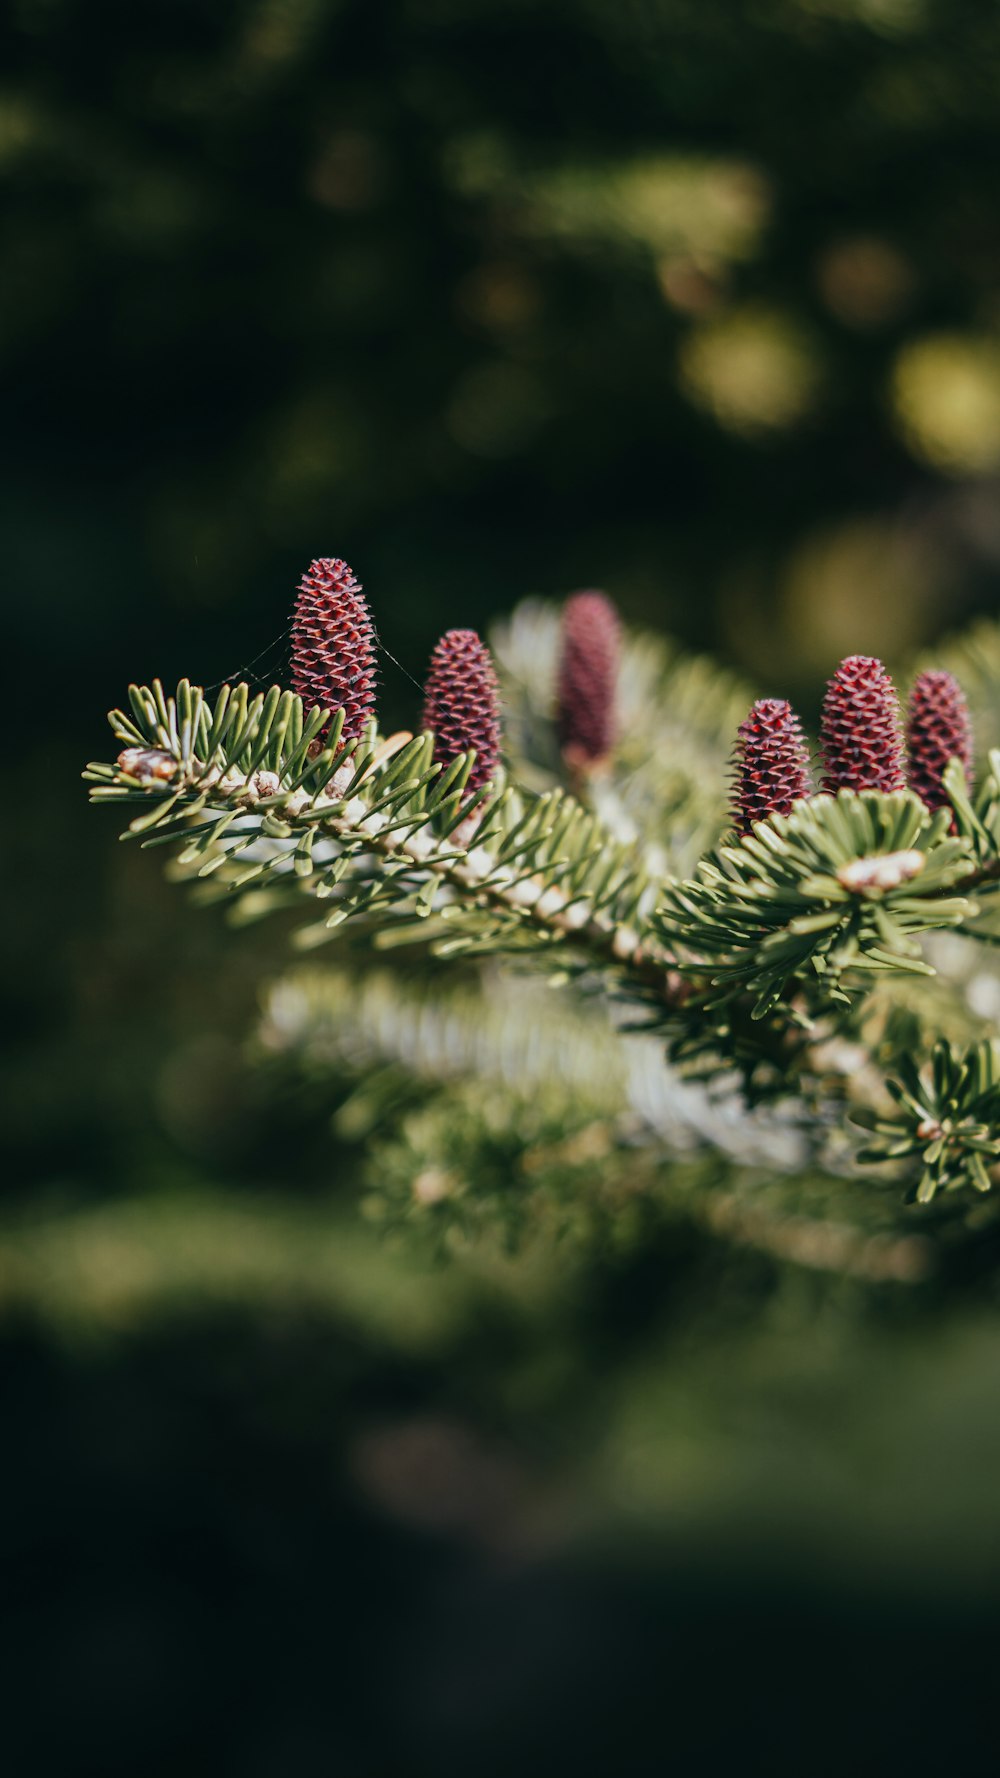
point(861, 734)
point(333, 644)
point(938, 728)
point(588, 672)
point(462, 703)
point(772, 763)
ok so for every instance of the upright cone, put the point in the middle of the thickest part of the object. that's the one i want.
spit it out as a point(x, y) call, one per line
point(333, 644)
point(861, 734)
point(938, 728)
point(771, 763)
point(462, 704)
point(588, 671)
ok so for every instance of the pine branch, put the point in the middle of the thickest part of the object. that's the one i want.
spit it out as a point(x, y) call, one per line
point(509, 1033)
point(486, 1112)
point(378, 828)
point(761, 959)
point(837, 888)
point(948, 1117)
point(737, 963)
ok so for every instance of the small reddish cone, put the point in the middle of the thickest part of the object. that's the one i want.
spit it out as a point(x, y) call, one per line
point(938, 728)
point(772, 763)
point(333, 644)
point(462, 705)
point(588, 671)
point(861, 733)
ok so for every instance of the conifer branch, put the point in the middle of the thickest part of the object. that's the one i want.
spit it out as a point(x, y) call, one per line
point(760, 959)
point(738, 962)
point(575, 1112)
point(376, 826)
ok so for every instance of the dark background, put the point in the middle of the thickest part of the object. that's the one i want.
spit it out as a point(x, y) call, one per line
point(699, 302)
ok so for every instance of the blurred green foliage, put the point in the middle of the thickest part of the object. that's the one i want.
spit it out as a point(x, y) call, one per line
point(694, 301)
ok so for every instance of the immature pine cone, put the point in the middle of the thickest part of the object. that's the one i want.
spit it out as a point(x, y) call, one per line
point(861, 733)
point(333, 645)
point(772, 763)
point(461, 703)
point(588, 670)
point(938, 728)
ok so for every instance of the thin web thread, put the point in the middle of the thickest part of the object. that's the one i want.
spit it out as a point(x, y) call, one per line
point(404, 670)
point(247, 673)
